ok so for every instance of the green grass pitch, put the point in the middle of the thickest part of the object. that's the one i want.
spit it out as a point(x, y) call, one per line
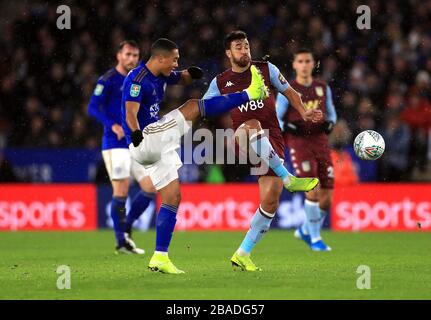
point(400, 266)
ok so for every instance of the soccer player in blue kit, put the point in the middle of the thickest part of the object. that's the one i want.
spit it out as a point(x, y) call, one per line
point(105, 106)
point(153, 142)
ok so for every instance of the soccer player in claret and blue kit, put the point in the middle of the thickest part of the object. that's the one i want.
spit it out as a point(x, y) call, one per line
point(249, 120)
point(308, 145)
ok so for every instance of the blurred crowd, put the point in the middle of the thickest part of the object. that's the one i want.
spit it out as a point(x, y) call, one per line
point(381, 78)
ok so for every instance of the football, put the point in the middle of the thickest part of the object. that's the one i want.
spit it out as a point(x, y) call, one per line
point(369, 145)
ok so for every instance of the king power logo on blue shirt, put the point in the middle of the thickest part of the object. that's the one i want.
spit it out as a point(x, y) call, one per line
point(154, 110)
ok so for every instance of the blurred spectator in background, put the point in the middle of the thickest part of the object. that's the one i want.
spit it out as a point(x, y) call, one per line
point(394, 162)
point(6, 172)
point(344, 169)
point(417, 116)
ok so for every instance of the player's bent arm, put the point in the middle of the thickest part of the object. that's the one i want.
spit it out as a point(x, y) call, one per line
point(314, 115)
point(97, 100)
point(295, 100)
point(189, 75)
point(281, 106)
point(282, 86)
point(213, 90)
point(132, 109)
point(186, 78)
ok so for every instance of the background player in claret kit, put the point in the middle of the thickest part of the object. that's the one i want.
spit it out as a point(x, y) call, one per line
point(308, 145)
point(154, 142)
point(105, 106)
point(251, 119)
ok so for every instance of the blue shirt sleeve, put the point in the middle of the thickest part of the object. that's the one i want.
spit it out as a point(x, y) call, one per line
point(213, 90)
point(277, 79)
point(331, 114)
point(281, 106)
point(98, 103)
point(174, 77)
point(134, 91)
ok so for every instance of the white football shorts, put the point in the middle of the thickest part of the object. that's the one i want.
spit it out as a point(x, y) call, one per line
point(120, 165)
point(158, 150)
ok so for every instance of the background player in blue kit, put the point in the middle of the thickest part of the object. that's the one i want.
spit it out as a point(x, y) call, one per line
point(105, 106)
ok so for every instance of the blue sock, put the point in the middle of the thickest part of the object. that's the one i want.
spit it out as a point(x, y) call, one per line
point(118, 214)
point(263, 148)
point(312, 213)
point(139, 203)
point(216, 106)
point(259, 225)
point(165, 224)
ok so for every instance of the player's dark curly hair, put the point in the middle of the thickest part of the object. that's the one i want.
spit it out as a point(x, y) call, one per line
point(162, 44)
point(232, 36)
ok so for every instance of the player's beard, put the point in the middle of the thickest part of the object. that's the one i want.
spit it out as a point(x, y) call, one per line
point(129, 66)
point(242, 62)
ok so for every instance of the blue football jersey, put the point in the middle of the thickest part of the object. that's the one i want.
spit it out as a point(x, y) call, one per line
point(105, 106)
point(148, 90)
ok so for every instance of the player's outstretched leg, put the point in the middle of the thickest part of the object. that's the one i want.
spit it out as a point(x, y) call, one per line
point(165, 225)
point(205, 108)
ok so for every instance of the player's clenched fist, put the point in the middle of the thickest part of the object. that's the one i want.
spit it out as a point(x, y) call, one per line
point(313, 115)
point(136, 138)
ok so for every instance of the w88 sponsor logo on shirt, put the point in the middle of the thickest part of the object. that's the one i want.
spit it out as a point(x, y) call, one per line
point(251, 105)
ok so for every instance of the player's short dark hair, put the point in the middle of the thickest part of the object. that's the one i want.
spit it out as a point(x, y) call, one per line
point(303, 50)
point(161, 45)
point(232, 36)
point(131, 43)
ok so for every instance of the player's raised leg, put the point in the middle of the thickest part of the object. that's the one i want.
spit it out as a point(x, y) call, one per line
point(165, 225)
point(205, 108)
point(270, 189)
